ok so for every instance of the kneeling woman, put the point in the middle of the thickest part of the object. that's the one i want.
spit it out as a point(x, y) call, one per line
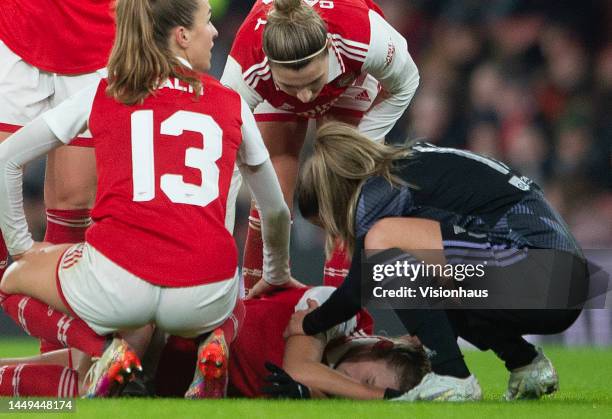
point(374, 196)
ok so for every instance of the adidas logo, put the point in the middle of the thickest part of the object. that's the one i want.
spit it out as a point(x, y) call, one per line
point(363, 96)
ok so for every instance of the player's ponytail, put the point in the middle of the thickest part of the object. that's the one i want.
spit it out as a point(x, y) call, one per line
point(342, 160)
point(141, 57)
point(294, 34)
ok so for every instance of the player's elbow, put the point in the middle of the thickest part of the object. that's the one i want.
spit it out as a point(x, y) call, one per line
point(276, 216)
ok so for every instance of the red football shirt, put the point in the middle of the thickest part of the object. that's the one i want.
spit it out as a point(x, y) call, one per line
point(260, 339)
point(164, 170)
point(349, 31)
point(59, 36)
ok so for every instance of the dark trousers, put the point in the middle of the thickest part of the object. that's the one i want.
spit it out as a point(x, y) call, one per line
point(498, 330)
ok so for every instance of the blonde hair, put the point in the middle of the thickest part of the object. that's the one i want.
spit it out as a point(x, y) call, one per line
point(141, 57)
point(293, 34)
point(331, 180)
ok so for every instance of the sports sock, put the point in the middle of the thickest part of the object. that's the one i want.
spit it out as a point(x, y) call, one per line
point(496, 330)
point(252, 260)
point(41, 321)
point(231, 326)
point(515, 352)
point(337, 266)
point(67, 226)
point(38, 380)
point(64, 226)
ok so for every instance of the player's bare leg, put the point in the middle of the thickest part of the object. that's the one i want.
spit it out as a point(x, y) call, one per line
point(70, 178)
point(284, 141)
point(34, 274)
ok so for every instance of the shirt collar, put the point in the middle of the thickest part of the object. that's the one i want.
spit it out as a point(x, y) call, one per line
point(184, 62)
point(334, 64)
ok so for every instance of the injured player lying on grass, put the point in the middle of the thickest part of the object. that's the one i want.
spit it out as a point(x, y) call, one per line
point(344, 362)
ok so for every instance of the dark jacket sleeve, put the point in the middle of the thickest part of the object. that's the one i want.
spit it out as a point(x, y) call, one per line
point(344, 303)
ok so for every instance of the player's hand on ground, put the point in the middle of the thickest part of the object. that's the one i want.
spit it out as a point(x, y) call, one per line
point(263, 288)
point(297, 319)
point(36, 247)
point(281, 385)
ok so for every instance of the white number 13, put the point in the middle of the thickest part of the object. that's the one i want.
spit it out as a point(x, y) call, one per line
point(143, 158)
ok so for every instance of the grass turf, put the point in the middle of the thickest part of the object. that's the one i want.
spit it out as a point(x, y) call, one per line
point(584, 392)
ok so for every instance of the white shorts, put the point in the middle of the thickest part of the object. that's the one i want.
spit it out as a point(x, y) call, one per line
point(356, 100)
point(26, 92)
point(109, 298)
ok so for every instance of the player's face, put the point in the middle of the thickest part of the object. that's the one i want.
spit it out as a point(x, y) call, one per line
point(201, 36)
point(305, 83)
point(373, 373)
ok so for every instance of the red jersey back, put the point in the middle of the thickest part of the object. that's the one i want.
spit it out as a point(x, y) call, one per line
point(59, 36)
point(164, 171)
point(348, 27)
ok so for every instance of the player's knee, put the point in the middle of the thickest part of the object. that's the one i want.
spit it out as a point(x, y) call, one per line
point(9, 283)
point(71, 197)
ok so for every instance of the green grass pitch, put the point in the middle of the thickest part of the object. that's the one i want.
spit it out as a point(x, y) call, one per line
point(585, 391)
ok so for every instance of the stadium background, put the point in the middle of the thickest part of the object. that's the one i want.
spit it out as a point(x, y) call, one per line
point(528, 82)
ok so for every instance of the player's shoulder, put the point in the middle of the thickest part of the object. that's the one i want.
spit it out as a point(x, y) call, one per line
point(211, 85)
point(347, 20)
point(247, 48)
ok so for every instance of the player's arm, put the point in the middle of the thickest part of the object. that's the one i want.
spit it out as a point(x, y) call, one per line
point(389, 61)
point(302, 361)
point(304, 354)
point(257, 170)
point(50, 130)
point(387, 201)
point(232, 77)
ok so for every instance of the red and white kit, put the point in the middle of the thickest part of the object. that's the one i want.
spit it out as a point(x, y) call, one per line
point(158, 250)
point(41, 65)
point(366, 55)
point(260, 339)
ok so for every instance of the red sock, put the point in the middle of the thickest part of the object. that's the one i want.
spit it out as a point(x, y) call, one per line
point(231, 326)
point(67, 226)
point(3, 256)
point(252, 260)
point(41, 321)
point(336, 267)
point(64, 226)
point(38, 380)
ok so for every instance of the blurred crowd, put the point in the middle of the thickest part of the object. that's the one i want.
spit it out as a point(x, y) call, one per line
point(526, 81)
